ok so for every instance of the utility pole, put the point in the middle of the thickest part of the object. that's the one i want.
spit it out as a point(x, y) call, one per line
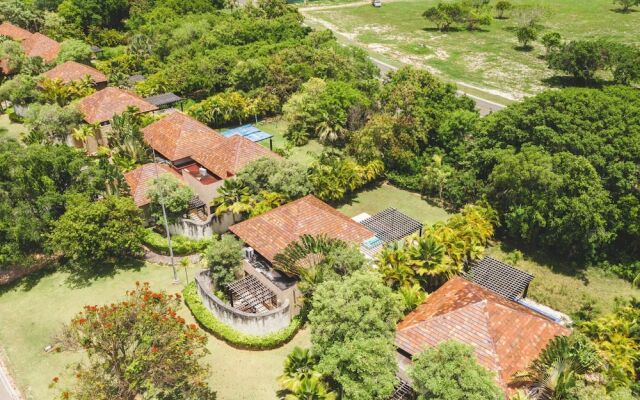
point(176, 281)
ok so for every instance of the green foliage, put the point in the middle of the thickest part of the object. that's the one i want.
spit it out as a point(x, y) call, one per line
point(559, 368)
point(20, 90)
point(22, 13)
point(88, 15)
point(224, 258)
point(234, 338)
point(584, 59)
point(182, 245)
point(285, 177)
point(173, 193)
point(317, 259)
point(138, 347)
point(74, 50)
point(13, 53)
point(299, 365)
point(472, 14)
point(551, 41)
point(626, 5)
point(334, 175)
point(50, 123)
point(450, 371)
point(502, 6)
point(223, 109)
point(233, 196)
point(98, 232)
point(525, 35)
point(61, 93)
point(125, 138)
point(560, 169)
point(617, 338)
point(352, 329)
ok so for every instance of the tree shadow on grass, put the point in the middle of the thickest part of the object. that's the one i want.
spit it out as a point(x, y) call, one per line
point(28, 282)
point(565, 81)
point(81, 275)
point(548, 260)
point(525, 49)
point(452, 29)
point(621, 11)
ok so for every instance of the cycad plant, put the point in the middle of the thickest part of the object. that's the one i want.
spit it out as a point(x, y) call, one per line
point(311, 389)
point(233, 196)
point(298, 366)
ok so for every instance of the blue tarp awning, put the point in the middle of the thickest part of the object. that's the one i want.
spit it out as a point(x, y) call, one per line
point(250, 132)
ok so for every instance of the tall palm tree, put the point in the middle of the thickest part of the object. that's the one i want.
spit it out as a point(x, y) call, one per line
point(298, 365)
point(330, 130)
point(311, 389)
point(395, 266)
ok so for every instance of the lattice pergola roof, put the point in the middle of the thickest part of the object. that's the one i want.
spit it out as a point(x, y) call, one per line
point(403, 392)
point(163, 99)
point(249, 294)
point(500, 278)
point(390, 225)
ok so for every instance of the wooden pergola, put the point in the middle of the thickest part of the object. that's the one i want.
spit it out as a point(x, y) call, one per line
point(403, 392)
point(250, 295)
point(500, 278)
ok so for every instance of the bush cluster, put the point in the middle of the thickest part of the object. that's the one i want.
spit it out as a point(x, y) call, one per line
point(182, 246)
point(232, 336)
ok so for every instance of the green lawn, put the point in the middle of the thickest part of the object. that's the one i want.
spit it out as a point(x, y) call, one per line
point(14, 130)
point(484, 59)
point(377, 199)
point(277, 127)
point(566, 292)
point(30, 317)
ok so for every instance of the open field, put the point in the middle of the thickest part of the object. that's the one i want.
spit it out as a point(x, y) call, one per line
point(29, 317)
point(277, 127)
point(567, 292)
point(14, 131)
point(487, 59)
point(373, 200)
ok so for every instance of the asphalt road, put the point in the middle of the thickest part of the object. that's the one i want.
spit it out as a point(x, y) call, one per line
point(7, 390)
point(485, 107)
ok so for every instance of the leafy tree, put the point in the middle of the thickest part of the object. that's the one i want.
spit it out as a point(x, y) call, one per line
point(450, 371)
point(288, 178)
point(551, 41)
point(102, 231)
point(86, 15)
point(352, 329)
point(435, 178)
point(625, 5)
point(21, 90)
point(138, 348)
point(14, 57)
point(223, 109)
point(582, 59)
point(56, 91)
point(74, 50)
point(175, 195)
point(50, 123)
point(445, 14)
point(21, 13)
point(224, 259)
point(526, 35)
point(502, 6)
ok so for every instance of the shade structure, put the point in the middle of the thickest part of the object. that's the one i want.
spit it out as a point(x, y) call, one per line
point(250, 295)
point(391, 225)
point(163, 99)
point(500, 278)
point(248, 131)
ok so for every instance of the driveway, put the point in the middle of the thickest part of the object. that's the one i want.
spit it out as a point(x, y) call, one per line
point(8, 389)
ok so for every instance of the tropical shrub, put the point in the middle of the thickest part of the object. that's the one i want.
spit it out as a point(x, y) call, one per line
point(181, 245)
point(224, 259)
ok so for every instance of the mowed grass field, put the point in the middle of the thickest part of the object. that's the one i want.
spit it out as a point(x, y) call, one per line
point(31, 316)
point(485, 59)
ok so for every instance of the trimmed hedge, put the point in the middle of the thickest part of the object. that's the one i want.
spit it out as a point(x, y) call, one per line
point(231, 336)
point(182, 246)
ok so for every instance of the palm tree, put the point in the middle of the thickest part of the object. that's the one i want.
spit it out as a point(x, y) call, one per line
point(83, 132)
point(395, 266)
point(234, 197)
point(311, 389)
point(299, 365)
point(555, 372)
point(425, 255)
point(330, 130)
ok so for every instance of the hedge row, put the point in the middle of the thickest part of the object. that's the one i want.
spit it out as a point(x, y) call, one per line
point(182, 246)
point(231, 336)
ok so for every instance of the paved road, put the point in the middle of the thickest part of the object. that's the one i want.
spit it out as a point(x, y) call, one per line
point(7, 390)
point(484, 106)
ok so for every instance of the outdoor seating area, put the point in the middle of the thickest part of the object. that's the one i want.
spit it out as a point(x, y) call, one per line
point(248, 294)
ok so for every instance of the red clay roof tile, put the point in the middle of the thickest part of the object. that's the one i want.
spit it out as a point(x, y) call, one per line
point(177, 136)
point(506, 336)
point(74, 71)
point(14, 32)
point(272, 231)
point(39, 45)
point(141, 178)
point(101, 106)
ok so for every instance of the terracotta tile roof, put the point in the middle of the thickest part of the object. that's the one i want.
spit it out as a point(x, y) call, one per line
point(14, 32)
point(101, 106)
point(39, 45)
point(141, 178)
point(178, 136)
point(74, 71)
point(272, 231)
point(227, 158)
point(506, 336)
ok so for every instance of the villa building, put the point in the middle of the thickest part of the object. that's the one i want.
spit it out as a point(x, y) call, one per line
point(72, 71)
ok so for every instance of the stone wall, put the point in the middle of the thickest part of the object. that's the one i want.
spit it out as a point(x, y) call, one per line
point(248, 323)
point(196, 229)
